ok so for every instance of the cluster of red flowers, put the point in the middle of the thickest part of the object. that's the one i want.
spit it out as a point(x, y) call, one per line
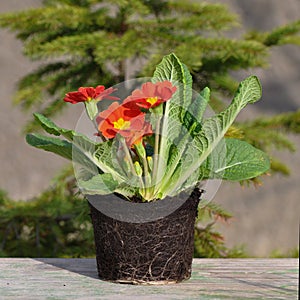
point(127, 118)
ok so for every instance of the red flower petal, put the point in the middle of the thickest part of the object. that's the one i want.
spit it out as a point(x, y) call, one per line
point(119, 119)
point(102, 93)
point(74, 97)
point(151, 94)
point(136, 136)
point(89, 93)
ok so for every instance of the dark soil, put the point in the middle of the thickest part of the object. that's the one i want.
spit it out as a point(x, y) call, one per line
point(161, 250)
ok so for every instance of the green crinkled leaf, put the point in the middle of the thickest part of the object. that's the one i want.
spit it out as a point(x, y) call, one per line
point(105, 155)
point(83, 147)
point(198, 105)
point(236, 160)
point(98, 154)
point(101, 184)
point(126, 190)
point(193, 115)
point(173, 70)
point(61, 147)
point(172, 131)
point(212, 131)
point(52, 128)
point(47, 124)
point(192, 125)
point(243, 161)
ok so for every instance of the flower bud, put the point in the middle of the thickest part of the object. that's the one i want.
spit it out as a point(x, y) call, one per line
point(138, 168)
point(150, 162)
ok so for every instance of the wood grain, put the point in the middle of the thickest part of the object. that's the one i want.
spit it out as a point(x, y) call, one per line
point(58, 278)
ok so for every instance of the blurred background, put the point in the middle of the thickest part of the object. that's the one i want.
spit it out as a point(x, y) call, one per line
point(265, 218)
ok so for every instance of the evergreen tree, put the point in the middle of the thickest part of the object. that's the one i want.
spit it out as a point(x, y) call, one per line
point(54, 224)
point(91, 42)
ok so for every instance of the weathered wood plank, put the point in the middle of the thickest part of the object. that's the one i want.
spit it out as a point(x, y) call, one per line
point(55, 278)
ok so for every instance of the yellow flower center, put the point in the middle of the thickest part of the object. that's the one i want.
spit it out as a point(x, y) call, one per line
point(152, 100)
point(89, 99)
point(121, 124)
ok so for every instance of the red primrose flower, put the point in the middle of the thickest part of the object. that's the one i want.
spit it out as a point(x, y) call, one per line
point(151, 94)
point(89, 93)
point(129, 122)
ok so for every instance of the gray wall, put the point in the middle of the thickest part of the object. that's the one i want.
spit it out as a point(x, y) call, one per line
point(267, 218)
point(264, 219)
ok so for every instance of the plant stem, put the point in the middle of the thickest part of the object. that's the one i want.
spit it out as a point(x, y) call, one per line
point(143, 158)
point(147, 189)
point(127, 155)
point(129, 158)
point(146, 171)
point(156, 147)
point(165, 182)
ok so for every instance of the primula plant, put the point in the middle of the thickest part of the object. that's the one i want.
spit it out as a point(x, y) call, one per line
point(155, 142)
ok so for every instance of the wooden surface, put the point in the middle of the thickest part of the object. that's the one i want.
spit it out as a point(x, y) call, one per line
point(56, 278)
